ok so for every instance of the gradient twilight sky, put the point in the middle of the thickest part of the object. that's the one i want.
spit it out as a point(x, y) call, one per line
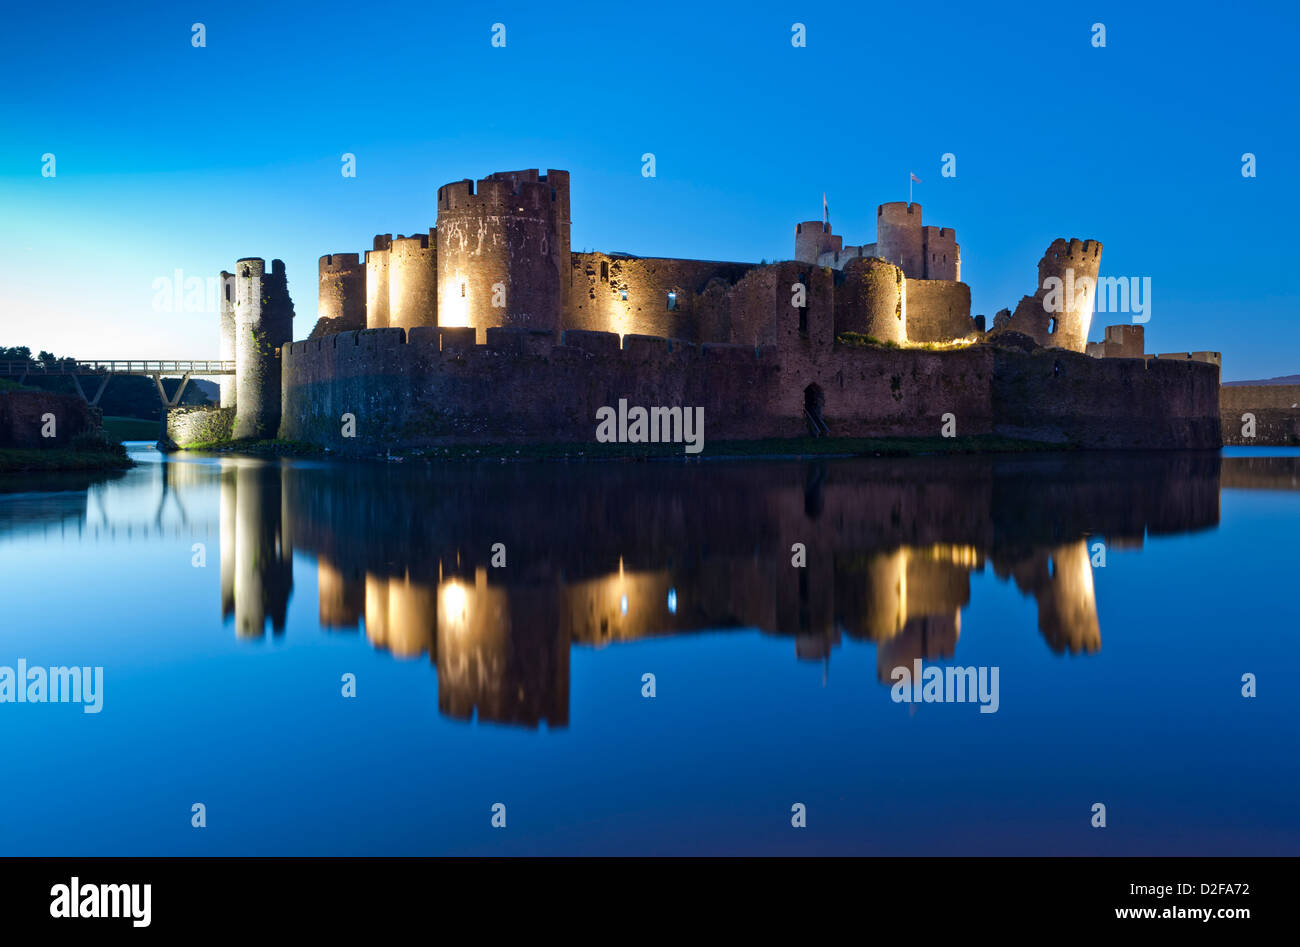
point(174, 157)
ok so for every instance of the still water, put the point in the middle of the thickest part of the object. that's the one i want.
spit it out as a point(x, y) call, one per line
point(1121, 599)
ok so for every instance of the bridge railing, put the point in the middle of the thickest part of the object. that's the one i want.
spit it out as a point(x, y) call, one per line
point(69, 366)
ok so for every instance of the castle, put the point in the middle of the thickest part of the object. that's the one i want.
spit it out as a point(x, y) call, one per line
point(490, 327)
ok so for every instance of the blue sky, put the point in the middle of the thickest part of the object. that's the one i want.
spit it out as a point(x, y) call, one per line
point(170, 157)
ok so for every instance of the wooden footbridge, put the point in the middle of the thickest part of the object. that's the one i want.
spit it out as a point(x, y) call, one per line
point(156, 369)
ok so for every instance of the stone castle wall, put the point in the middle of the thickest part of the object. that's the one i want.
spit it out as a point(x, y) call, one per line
point(1276, 409)
point(627, 294)
point(187, 427)
point(1121, 341)
point(436, 386)
point(1053, 395)
point(938, 311)
point(762, 312)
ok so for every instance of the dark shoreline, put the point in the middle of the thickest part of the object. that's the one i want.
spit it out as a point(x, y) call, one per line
point(18, 461)
point(772, 449)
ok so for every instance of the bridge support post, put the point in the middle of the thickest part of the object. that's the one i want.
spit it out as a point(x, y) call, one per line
point(180, 390)
point(175, 399)
point(99, 392)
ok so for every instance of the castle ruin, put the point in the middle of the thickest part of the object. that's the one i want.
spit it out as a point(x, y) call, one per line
point(488, 326)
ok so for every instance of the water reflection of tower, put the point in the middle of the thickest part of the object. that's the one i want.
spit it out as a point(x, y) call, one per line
point(502, 651)
point(1060, 579)
point(908, 601)
point(401, 615)
point(341, 594)
point(256, 560)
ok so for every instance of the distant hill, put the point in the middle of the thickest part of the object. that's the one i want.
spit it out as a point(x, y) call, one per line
point(1280, 380)
point(209, 388)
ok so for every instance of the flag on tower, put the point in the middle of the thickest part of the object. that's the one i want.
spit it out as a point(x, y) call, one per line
point(915, 178)
point(826, 211)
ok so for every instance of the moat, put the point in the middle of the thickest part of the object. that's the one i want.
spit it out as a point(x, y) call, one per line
point(498, 622)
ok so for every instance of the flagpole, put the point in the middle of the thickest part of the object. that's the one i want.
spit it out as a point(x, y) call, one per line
point(909, 188)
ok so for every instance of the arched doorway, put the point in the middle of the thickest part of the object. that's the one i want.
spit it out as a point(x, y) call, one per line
point(814, 404)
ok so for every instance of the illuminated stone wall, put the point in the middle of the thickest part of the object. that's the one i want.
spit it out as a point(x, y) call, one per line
point(341, 294)
point(187, 427)
point(626, 294)
point(503, 251)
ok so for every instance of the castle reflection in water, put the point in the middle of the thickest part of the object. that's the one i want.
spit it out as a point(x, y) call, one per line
point(598, 554)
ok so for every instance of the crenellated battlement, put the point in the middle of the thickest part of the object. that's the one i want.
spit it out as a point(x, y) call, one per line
point(1073, 251)
point(502, 193)
point(901, 211)
point(339, 262)
point(419, 241)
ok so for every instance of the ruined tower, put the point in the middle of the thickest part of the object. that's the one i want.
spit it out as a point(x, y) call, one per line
point(1059, 314)
point(341, 293)
point(263, 322)
point(1075, 265)
point(502, 248)
point(227, 350)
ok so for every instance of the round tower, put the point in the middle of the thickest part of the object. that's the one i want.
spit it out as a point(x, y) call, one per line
point(227, 350)
point(899, 238)
point(872, 301)
point(1074, 265)
point(500, 250)
point(341, 294)
point(377, 282)
point(413, 281)
point(263, 322)
point(812, 238)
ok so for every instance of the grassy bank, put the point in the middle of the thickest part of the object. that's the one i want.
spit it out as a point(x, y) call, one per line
point(13, 460)
point(773, 448)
